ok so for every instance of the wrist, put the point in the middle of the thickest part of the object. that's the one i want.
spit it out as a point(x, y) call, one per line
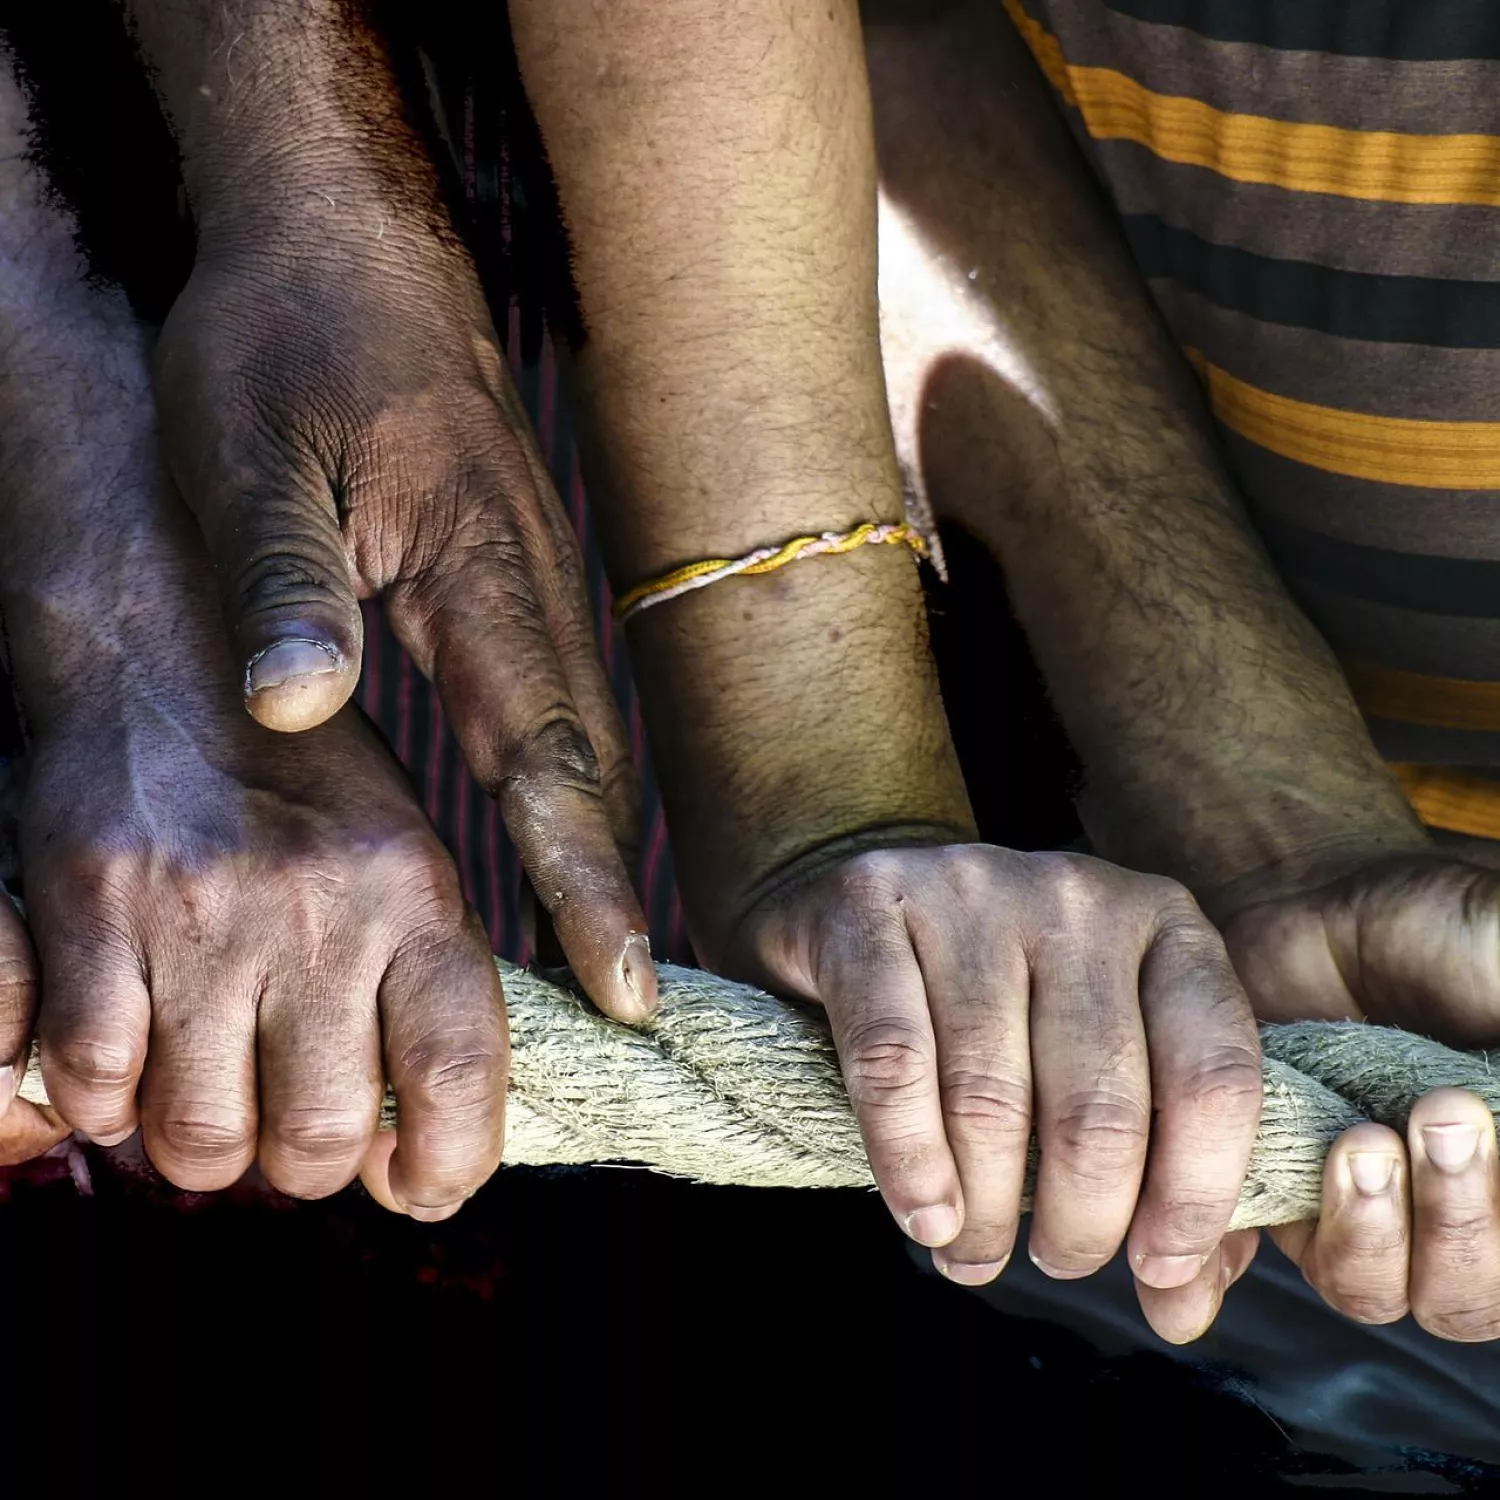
point(289, 120)
point(1244, 836)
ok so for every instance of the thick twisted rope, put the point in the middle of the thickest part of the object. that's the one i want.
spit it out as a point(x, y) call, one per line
point(727, 1085)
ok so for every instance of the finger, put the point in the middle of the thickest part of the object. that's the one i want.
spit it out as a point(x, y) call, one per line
point(375, 1171)
point(1093, 1105)
point(322, 1078)
point(571, 625)
point(1357, 1253)
point(1455, 1185)
point(94, 1025)
point(18, 998)
point(1206, 1093)
point(447, 1055)
point(979, 1003)
point(272, 530)
point(483, 638)
point(870, 983)
point(28, 1131)
point(198, 1092)
point(1183, 1313)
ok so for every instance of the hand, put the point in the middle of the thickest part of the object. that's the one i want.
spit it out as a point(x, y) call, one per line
point(26, 1130)
point(279, 922)
point(976, 994)
point(1410, 940)
point(339, 415)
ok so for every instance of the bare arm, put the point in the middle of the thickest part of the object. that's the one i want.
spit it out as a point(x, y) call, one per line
point(731, 371)
point(1062, 427)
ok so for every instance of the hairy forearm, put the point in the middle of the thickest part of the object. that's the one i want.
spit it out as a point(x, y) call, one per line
point(1218, 735)
point(289, 121)
point(715, 170)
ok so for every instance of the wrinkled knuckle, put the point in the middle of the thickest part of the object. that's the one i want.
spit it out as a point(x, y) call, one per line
point(1372, 1307)
point(1370, 1241)
point(96, 1059)
point(459, 1080)
point(1100, 1132)
point(1471, 1323)
point(986, 1102)
point(886, 1062)
point(557, 751)
point(315, 1135)
point(873, 878)
point(1071, 888)
point(201, 1138)
point(1224, 1086)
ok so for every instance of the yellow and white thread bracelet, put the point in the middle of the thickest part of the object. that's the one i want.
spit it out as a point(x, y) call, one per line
point(699, 575)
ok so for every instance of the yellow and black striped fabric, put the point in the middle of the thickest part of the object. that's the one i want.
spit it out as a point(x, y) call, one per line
point(1312, 190)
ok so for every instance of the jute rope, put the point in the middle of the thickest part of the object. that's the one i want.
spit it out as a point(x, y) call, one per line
point(728, 1085)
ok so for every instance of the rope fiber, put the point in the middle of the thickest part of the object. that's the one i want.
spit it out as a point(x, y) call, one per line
point(728, 1085)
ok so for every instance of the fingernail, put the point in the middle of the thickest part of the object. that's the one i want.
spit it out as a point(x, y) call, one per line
point(1057, 1273)
point(1165, 1272)
point(7, 1087)
point(970, 1273)
point(117, 1139)
point(932, 1226)
point(432, 1215)
point(279, 664)
point(637, 971)
point(1450, 1148)
point(1372, 1171)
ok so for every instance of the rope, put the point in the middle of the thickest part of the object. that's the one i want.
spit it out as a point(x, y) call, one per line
point(727, 1085)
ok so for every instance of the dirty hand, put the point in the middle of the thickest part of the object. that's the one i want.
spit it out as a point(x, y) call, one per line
point(337, 412)
point(977, 995)
point(1411, 940)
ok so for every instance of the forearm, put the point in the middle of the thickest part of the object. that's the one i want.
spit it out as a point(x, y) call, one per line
point(93, 581)
point(1218, 735)
point(289, 121)
point(715, 170)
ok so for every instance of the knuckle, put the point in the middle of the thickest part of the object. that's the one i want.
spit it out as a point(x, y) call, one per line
point(1469, 1323)
point(104, 1059)
point(886, 1062)
point(1224, 1085)
point(1373, 1307)
point(459, 1078)
point(1100, 1132)
point(873, 878)
point(555, 751)
point(320, 1133)
point(987, 1102)
point(202, 1138)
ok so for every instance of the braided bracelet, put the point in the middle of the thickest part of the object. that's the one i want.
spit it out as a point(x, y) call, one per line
point(699, 575)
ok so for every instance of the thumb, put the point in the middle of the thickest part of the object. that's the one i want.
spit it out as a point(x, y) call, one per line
point(268, 516)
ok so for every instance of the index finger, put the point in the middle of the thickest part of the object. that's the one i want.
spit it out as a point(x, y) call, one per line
point(484, 638)
point(1206, 1093)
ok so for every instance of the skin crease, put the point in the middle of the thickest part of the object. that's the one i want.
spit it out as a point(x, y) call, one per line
point(1053, 419)
point(337, 412)
point(273, 914)
point(730, 377)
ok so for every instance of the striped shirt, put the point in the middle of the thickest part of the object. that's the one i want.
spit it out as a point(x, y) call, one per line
point(1311, 189)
